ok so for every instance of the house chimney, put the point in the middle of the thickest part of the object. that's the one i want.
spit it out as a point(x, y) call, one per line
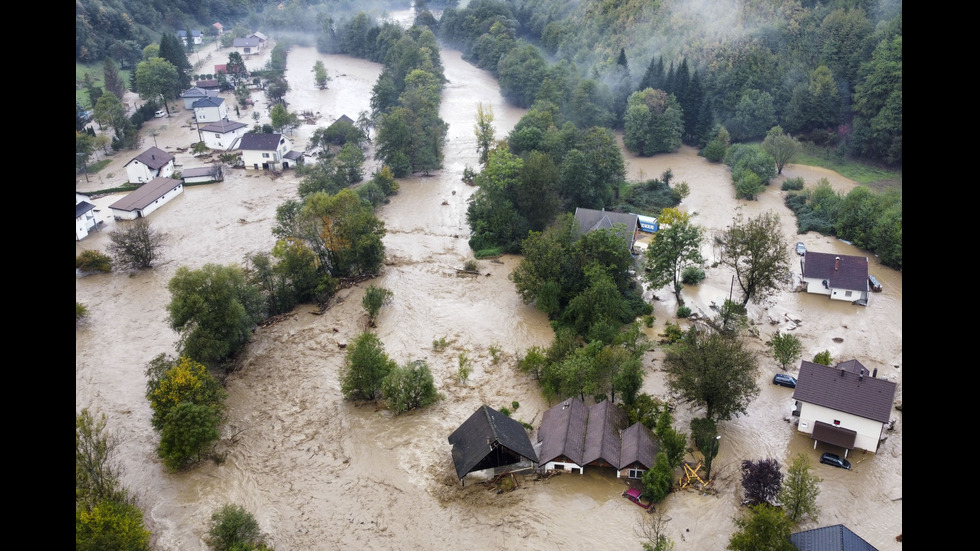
point(842, 372)
point(836, 263)
point(875, 373)
point(861, 375)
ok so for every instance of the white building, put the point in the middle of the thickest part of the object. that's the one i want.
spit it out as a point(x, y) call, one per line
point(147, 198)
point(150, 164)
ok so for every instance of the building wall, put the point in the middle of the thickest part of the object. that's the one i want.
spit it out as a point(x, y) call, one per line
point(562, 466)
point(868, 430)
point(84, 224)
point(215, 140)
point(211, 114)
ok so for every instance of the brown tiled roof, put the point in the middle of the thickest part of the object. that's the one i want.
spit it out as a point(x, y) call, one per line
point(154, 157)
point(562, 431)
point(602, 441)
point(840, 270)
point(857, 393)
point(638, 447)
point(834, 435)
point(146, 194)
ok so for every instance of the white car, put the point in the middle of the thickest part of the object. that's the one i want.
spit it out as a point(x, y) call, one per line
point(160, 114)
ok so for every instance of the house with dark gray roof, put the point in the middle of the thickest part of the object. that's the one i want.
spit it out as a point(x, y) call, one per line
point(573, 436)
point(202, 174)
point(222, 134)
point(150, 164)
point(248, 46)
point(146, 198)
point(195, 93)
point(843, 406)
point(840, 276)
point(267, 151)
point(829, 538)
point(210, 109)
point(489, 439)
point(625, 225)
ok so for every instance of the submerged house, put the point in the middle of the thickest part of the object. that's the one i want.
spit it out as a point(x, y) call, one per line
point(840, 276)
point(574, 436)
point(627, 225)
point(490, 440)
point(843, 406)
point(146, 198)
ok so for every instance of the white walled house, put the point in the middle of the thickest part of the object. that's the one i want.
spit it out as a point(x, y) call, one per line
point(222, 134)
point(86, 216)
point(248, 46)
point(150, 164)
point(210, 109)
point(194, 93)
point(840, 276)
point(267, 151)
point(843, 406)
point(147, 198)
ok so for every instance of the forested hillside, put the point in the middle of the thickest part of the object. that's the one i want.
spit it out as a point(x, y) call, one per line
point(829, 72)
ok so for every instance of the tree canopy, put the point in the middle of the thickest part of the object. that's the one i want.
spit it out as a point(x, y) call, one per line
point(759, 254)
point(712, 371)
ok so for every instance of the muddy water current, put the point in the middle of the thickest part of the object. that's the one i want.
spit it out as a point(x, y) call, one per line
point(320, 473)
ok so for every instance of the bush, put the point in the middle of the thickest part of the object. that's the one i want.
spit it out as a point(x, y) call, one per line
point(648, 320)
point(488, 253)
point(505, 411)
point(465, 367)
point(793, 184)
point(692, 275)
point(823, 358)
point(80, 310)
point(232, 527)
point(684, 312)
point(409, 387)
point(440, 344)
point(93, 261)
point(471, 266)
point(672, 332)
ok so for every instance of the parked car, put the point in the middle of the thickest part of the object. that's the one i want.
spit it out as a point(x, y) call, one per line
point(783, 379)
point(160, 114)
point(835, 460)
point(874, 283)
point(800, 248)
point(634, 495)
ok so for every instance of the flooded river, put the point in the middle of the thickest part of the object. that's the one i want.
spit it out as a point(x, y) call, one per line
point(320, 473)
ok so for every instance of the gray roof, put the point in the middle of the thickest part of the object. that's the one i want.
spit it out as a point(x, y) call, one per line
point(208, 102)
point(194, 172)
point(83, 207)
point(292, 154)
point(154, 157)
point(146, 194)
point(840, 270)
point(194, 92)
point(223, 126)
point(562, 431)
point(591, 220)
point(848, 388)
point(250, 42)
point(584, 434)
point(602, 441)
point(484, 433)
point(638, 448)
point(255, 141)
point(829, 538)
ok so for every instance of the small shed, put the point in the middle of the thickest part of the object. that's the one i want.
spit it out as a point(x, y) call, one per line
point(487, 440)
point(202, 174)
point(147, 198)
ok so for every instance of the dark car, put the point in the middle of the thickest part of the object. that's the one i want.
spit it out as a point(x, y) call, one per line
point(782, 379)
point(874, 284)
point(835, 460)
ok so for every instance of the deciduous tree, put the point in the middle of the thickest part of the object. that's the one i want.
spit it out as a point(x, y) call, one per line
point(409, 387)
point(157, 79)
point(674, 246)
point(800, 490)
point(214, 309)
point(759, 254)
point(233, 528)
point(365, 367)
point(135, 245)
point(761, 481)
point(781, 146)
point(713, 371)
point(374, 298)
point(484, 131)
point(320, 76)
point(786, 348)
point(765, 529)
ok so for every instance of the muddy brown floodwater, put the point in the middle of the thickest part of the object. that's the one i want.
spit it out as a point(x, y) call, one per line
point(320, 473)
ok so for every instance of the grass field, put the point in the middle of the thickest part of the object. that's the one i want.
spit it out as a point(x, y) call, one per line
point(863, 173)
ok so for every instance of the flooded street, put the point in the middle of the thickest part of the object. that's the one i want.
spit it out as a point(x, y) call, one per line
point(320, 473)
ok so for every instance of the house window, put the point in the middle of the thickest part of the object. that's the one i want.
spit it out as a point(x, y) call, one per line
point(265, 155)
point(847, 294)
point(836, 423)
point(636, 473)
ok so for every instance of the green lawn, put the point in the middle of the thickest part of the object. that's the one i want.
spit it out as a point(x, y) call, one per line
point(860, 172)
point(95, 72)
